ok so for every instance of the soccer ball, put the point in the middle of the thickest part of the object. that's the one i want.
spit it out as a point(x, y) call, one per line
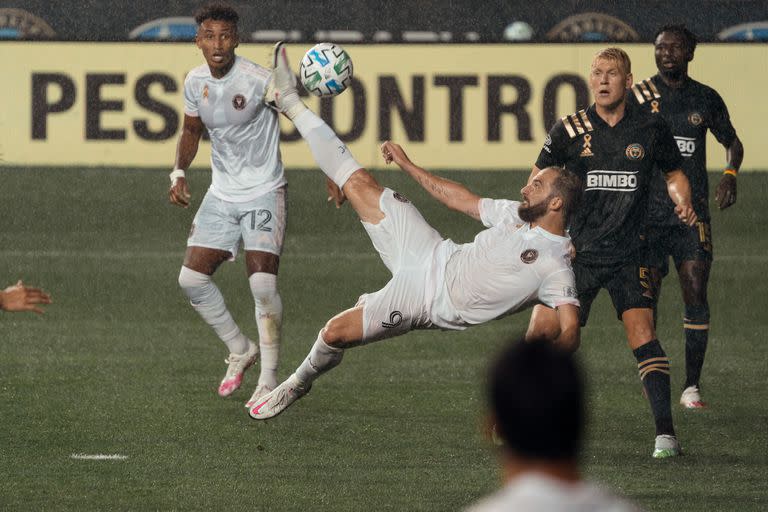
point(326, 70)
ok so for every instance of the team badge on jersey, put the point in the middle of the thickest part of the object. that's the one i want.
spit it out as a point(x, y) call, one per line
point(635, 151)
point(547, 143)
point(695, 118)
point(587, 151)
point(529, 256)
point(238, 102)
point(400, 197)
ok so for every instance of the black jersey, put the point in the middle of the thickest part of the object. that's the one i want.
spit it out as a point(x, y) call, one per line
point(689, 111)
point(615, 165)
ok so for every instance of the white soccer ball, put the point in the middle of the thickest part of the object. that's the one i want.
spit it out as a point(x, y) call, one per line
point(326, 70)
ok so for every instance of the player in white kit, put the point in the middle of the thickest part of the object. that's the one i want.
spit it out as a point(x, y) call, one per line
point(521, 259)
point(246, 199)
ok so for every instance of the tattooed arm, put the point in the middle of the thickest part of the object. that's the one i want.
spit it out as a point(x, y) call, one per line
point(452, 194)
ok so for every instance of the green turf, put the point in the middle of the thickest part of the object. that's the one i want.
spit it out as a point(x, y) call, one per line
point(120, 364)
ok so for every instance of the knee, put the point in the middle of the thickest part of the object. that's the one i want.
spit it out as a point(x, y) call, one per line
point(264, 289)
point(332, 333)
point(190, 279)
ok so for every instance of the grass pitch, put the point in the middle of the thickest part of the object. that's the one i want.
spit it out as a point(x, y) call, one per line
point(121, 365)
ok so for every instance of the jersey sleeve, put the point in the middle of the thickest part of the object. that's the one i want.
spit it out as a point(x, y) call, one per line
point(666, 155)
point(720, 124)
point(559, 288)
point(190, 97)
point(499, 211)
point(553, 153)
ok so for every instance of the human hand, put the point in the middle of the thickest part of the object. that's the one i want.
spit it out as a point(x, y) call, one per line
point(394, 153)
point(179, 194)
point(686, 214)
point(335, 193)
point(725, 194)
point(23, 298)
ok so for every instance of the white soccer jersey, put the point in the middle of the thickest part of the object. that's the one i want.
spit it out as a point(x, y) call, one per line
point(539, 493)
point(245, 135)
point(508, 267)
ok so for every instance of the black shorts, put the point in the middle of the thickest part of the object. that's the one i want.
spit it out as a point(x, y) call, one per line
point(627, 284)
point(683, 243)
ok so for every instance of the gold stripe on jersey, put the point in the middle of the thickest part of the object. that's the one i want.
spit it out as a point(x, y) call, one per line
point(645, 90)
point(568, 126)
point(638, 95)
point(654, 90)
point(577, 124)
point(587, 123)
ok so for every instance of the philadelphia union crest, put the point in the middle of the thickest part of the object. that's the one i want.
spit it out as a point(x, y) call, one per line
point(635, 151)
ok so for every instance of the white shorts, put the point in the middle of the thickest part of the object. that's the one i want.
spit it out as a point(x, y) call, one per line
point(259, 223)
point(406, 244)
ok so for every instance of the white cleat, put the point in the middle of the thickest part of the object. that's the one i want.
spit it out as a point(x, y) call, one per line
point(666, 446)
point(280, 93)
point(261, 390)
point(691, 398)
point(278, 400)
point(238, 363)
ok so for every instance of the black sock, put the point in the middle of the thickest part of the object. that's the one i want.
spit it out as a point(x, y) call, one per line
point(696, 324)
point(653, 365)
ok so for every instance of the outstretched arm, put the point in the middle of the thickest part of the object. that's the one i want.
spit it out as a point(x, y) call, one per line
point(725, 194)
point(452, 194)
point(679, 190)
point(185, 154)
point(23, 298)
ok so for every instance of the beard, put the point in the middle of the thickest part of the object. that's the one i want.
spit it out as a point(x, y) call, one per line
point(674, 74)
point(532, 212)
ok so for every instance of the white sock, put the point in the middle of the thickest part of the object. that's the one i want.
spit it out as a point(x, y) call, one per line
point(269, 320)
point(321, 359)
point(330, 153)
point(207, 300)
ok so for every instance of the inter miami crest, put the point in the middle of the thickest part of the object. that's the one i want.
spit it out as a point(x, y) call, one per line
point(528, 256)
point(238, 102)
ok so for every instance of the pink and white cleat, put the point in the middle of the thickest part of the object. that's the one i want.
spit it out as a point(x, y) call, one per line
point(261, 390)
point(691, 398)
point(278, 400)
point(238, 363)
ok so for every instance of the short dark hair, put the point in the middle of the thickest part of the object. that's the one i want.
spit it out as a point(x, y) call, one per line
point(536, 393)
point(217, 11)
point(567, 185)
point(688, 37)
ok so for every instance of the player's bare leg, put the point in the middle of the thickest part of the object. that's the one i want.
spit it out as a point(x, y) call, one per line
point(195, 279)
point(694, 276)
point(343, 331)
point(262, 270)
point(653, 366)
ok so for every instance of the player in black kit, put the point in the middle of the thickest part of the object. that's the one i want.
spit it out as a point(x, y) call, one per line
point(690, 109)
point(613, 150)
